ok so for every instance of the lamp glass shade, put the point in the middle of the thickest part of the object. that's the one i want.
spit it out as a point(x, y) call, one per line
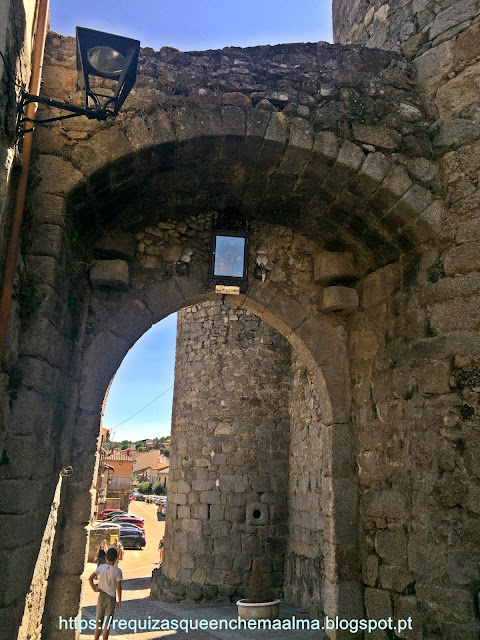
point(108, 62)
point(229, 256)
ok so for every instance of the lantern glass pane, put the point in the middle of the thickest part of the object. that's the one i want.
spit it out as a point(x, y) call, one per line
point(229, 256)
point(106, 61)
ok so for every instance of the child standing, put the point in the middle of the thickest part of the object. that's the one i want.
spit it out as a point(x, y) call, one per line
point(109, 586)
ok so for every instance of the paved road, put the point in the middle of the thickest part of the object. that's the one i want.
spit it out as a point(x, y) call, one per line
point(137, 567)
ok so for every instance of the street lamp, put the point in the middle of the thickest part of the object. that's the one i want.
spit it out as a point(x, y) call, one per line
point(229, 252)
point(103, 55)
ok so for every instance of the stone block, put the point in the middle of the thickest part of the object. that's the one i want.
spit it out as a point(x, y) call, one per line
point(287, 310)
point(344, 599)
point(59, 82)
point(349, 160)
point(462, 259)
point(462, 569)
point(108, 350)
point(370, 570)
point(455, 97)
point(395, 578)
point(456, 133)
point(48, 209)
point(58, 177)
point(42, 340)
point(338, 496)
point(172, 252)
point(451, 16)
point(455, 315)
point(434, 65)
point(33, 411)
point(342, 300)
point(209, 591)
point(46, 270)
point(393, 187)
point(411, 205)
point(428, 225)
point(193, 591)
point(117, 244)
point(300, 144)
point(332, 266)
point(378, 136)
point(338, 450)
point(378, 604)
point(101, 149)
point(277, 129)
point(111, 274)
point(406, 608)
point(49, 141)
point(20, 563)
point(380, 285)
point(210, 497)
point(371, 173)
point(387, 503)
point(48, 240)
point(233, 120)
point(341, 561)
point(447, 288)
point(434, 378)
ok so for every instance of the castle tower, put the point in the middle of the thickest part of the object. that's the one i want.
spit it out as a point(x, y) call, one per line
point(229, 474)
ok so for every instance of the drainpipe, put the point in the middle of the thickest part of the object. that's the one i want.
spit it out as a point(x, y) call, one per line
point(19, 204)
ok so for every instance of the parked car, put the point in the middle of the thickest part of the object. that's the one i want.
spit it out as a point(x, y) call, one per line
point(105, 525)
point(107, 512)
point(132, 539)
point(127, 515)
point(131, 526)
point(130, 520)
point(114, 514)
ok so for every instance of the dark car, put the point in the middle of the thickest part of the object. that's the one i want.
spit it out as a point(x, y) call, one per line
point(114, 514)
point(132, 538)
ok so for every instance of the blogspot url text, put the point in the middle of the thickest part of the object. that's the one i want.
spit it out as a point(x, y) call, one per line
point(237, 624)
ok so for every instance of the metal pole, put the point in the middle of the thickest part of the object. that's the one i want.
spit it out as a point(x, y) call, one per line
point(14, 241)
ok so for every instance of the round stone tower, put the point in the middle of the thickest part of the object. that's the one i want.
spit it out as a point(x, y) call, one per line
point(227, 500)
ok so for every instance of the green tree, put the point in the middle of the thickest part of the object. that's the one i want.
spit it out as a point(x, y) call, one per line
point(145, 488)
point(159, 489)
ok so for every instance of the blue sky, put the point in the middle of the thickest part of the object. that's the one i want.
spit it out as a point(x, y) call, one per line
point(146, 372)
point(191, 25)
point(188, 25)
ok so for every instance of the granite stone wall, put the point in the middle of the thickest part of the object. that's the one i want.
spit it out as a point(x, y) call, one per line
point(414, 353)
point(304, 560)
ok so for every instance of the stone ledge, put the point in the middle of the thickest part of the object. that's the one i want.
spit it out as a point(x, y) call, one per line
point(339, 300)
point(112, 274)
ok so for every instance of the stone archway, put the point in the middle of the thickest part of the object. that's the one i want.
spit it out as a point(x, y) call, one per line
point(102, 357)
point(324, 173)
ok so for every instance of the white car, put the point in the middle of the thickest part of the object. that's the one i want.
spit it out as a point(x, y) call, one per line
point(104, 525)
